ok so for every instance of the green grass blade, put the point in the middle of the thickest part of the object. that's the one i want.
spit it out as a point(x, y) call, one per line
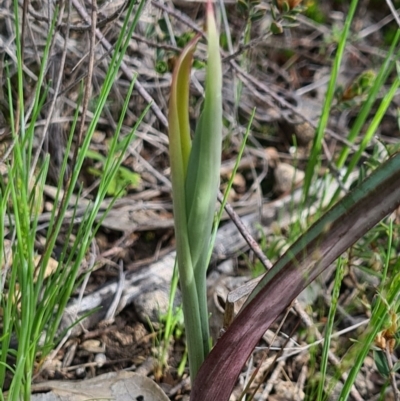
point(385, 70)
point(390, 291)
point(329, 327)
point(313, 164)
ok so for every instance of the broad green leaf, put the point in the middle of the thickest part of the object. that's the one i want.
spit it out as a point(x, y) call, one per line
point(179, 152)
point(202, 181)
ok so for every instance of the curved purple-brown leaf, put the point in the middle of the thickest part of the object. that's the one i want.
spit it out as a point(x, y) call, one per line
point(313, 252)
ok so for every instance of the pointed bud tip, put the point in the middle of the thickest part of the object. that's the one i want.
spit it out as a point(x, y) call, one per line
point(210, 7)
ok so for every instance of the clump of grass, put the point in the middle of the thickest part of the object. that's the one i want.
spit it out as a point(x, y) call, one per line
point(34, 296)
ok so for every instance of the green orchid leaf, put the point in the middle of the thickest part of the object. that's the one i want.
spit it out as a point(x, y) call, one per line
point(195, 171)
point(202, 181)
point(179, 152)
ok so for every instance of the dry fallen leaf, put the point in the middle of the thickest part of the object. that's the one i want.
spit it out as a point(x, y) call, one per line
point(119, 386)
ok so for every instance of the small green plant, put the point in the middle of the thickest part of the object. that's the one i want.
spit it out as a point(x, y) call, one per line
point(171, 322)
point(284, 14)
point(356, 91)
point(124, 179)
point(195, 176)
point(387, 340)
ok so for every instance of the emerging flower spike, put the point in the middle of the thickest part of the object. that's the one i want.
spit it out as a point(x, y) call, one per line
point(195, 171)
